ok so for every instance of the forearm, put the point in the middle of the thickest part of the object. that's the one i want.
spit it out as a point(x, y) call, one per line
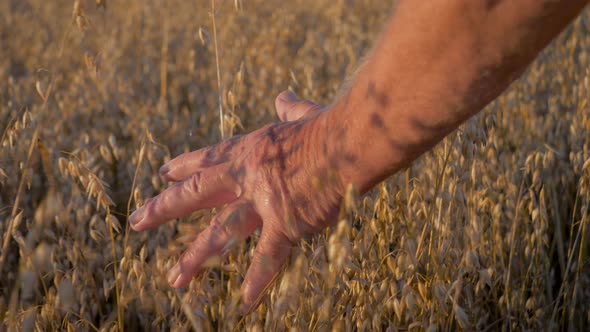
point(437, 64)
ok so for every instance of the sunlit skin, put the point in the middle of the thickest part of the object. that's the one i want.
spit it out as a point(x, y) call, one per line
point(436, 64)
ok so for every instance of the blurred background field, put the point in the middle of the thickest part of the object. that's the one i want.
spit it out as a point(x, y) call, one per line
point(486, 232)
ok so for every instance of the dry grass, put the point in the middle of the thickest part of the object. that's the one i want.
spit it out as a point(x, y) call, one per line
point(486, 232)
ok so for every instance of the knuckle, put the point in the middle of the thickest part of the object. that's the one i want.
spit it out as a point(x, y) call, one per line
point(228, 144)
point(151, 208)
point(220, 228)
point(210, 154)
point(194, 184)
point(188, 257)
point(182, 160)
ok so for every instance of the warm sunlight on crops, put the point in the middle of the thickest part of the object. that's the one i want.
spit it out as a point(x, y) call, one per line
point(488, 231)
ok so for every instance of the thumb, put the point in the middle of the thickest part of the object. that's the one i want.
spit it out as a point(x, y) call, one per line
point(290, 108)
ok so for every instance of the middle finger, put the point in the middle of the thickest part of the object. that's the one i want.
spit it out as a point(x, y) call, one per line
point(205, 189)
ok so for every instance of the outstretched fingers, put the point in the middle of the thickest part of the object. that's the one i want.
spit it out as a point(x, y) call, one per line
point(233, 224)
point(183, 166)
point(204, 189)
point(272, 250)
point(290, 108)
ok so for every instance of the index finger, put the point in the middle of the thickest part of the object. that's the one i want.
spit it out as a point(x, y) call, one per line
point(209, 188)
point(183, 166)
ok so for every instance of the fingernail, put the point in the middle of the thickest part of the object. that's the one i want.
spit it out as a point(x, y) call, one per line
point(289, 96)
point(137, 216)
point(174, 275)
point(164, 170)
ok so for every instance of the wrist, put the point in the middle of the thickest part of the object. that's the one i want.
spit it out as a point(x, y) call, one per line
point(363, 146)
point(350, 148)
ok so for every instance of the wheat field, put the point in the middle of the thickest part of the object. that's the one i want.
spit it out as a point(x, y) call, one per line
point(488, 231)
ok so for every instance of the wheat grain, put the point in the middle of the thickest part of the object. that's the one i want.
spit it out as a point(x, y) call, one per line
point(486, 232)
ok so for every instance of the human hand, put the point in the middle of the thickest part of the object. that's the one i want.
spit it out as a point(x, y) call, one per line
point(278, 178)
